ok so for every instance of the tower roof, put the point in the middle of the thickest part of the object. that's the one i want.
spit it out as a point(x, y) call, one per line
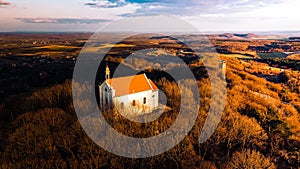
point(131, 84)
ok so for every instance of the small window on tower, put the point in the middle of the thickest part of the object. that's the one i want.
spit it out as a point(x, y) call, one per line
point(133, 103)
point(145, 100)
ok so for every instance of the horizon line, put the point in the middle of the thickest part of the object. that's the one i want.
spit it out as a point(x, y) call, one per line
point(198, 32)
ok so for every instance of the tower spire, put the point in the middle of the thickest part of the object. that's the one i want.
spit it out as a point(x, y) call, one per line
point(107, 73)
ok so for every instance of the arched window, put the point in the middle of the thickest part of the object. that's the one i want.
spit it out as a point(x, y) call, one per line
point(133, 103)
point(145, 100)
point(122, 105)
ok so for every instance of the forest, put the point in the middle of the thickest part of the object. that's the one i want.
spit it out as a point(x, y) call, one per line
point(41, 130)
point(259, 128)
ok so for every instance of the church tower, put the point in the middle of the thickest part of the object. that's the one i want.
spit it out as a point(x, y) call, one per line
point(107, 73)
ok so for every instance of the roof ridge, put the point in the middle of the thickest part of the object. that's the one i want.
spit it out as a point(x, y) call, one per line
point(153, 85)
point(148, 82)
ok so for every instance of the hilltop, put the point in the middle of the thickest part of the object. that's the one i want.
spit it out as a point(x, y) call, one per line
point(260, 126)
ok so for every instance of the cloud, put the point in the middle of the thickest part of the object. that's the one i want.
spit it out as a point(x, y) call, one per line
point(106, 3)
point(145, 1)
point(3, 3)
point(156, 6)
point(182, 8)
point(62, 20)
point(185, 7)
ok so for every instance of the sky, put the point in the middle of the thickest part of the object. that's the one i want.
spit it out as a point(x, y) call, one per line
point(205, 15)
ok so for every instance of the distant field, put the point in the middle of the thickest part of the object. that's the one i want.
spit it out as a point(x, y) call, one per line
point(272, 55)
point(49, 50)
point(116, 45)
point(56, 47)
point(294, 56)
point(46, 53)
point(239, 56)
point(104, 46)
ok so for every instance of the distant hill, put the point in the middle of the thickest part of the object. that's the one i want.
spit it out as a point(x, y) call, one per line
point(248, 35)
point(241, 36)
point(294, 38)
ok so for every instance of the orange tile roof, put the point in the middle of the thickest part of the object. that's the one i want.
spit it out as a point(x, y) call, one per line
point(154, 87)
point(131, 84)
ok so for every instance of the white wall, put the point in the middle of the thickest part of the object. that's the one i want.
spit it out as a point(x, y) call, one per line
point(155, 99)
point(127, 100)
